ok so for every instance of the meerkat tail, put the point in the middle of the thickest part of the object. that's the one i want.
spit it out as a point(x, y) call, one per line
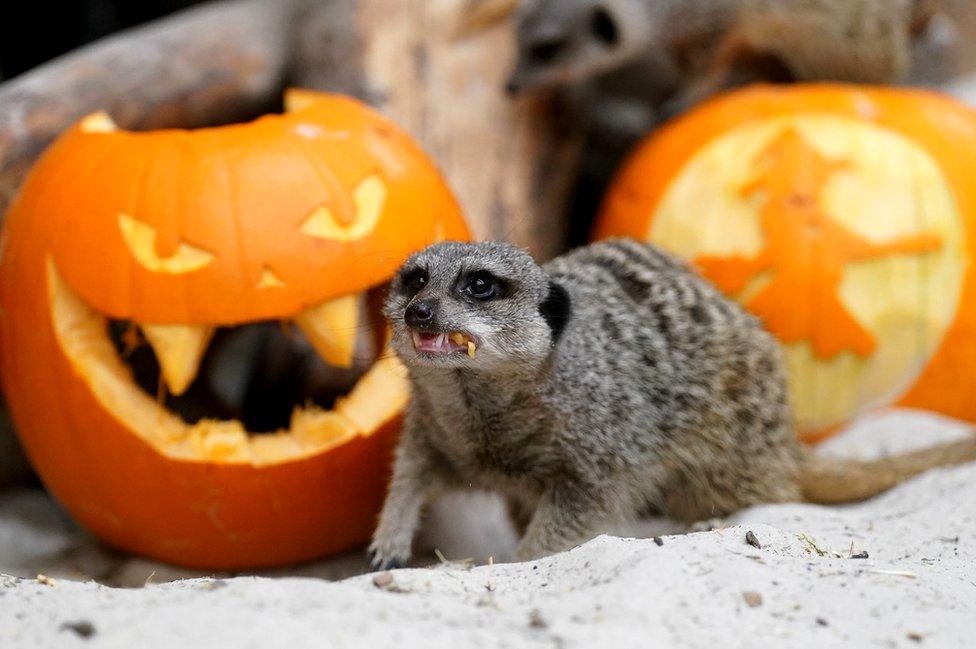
point(827, 480)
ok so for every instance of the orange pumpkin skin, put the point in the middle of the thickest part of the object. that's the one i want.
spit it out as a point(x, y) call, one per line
point(201, 513)
point(939, 128)
point(255, 183)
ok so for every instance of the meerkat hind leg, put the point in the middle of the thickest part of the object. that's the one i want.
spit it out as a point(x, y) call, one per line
point(716, 493)
point(563, 520)
point(519, 514)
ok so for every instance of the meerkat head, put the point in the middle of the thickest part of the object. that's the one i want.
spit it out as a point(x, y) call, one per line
point(485, 306)
point(562, 41)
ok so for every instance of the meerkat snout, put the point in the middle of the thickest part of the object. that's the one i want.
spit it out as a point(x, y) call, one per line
point(560, 41)
point(420, 314)
point(466, 305)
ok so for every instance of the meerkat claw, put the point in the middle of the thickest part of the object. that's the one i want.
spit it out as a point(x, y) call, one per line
point(378, 562)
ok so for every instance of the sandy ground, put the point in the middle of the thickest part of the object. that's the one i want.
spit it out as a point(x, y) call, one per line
point(802, 588)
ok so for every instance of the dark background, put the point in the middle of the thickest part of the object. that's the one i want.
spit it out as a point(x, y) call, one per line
point(36, 31)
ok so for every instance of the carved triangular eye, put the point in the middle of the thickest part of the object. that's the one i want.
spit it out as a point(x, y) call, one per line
point(141, 240)
point(368, 197)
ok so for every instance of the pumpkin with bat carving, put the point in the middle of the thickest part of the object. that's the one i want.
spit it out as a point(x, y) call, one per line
point(162, 244)
point(844, 217)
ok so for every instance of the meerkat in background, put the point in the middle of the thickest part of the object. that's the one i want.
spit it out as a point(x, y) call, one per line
point(611, 382)
point(719, 43)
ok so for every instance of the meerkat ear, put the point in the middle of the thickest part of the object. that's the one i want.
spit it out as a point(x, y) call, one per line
point(555, 309)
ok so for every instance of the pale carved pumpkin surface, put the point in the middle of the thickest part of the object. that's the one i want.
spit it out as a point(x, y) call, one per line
point(842, 236)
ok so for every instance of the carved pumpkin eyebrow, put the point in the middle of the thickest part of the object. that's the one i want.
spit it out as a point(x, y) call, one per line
point(140, 238)
point(368, 198)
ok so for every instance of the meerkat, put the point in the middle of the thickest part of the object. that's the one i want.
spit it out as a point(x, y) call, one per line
point(719, 43)
point(613, 381)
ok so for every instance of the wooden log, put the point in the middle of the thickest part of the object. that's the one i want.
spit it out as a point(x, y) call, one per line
point(217, 63)
point(512, 163)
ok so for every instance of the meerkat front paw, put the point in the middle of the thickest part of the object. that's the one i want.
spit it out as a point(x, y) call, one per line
point(388, 553)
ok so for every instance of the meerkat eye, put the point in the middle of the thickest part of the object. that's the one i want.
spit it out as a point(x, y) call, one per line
point(413, 279)
point(604, 27)
point(481, 285)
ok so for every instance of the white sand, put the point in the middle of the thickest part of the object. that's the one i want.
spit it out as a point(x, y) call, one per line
point(917, 588)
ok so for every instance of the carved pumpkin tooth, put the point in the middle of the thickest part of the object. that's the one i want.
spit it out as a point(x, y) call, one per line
point(179, 349)
point(331, 327)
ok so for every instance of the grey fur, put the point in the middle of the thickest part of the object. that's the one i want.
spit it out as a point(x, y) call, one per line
point(660, 395)
point(720, 43)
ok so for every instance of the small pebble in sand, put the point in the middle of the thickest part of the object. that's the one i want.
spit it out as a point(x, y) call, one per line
point(658, 541)
point(752, 598)
point(81, 628)
point(385, 581)
point(536, 621)
point(860, 555)
point(822, 622)
point(914, 636)
point(752, 540)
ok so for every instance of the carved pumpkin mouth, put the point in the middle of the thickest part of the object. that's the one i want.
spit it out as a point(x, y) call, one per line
point(85, 336)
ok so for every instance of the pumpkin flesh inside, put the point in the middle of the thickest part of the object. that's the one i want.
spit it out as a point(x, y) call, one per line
point(83, 335)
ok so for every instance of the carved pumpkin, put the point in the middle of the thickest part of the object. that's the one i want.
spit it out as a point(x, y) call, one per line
point(844, 218)
point(182, 234)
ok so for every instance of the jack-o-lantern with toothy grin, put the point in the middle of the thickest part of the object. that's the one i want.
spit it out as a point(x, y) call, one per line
point(162, 244)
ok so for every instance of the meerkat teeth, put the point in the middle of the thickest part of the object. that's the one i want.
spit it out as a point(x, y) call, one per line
point(416, 340)
point(471, 348)
point(441, 338)
point(457, 338)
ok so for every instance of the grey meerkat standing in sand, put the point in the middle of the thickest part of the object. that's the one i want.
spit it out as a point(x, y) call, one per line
point(611, 382)
point(721, 43)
